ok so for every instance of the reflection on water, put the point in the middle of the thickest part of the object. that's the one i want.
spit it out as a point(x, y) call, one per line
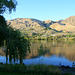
point(53, 53)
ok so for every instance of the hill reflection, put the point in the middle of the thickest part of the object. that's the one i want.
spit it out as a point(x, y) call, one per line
point(58, 48)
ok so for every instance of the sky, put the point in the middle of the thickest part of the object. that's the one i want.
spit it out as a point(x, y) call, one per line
point(43, 9)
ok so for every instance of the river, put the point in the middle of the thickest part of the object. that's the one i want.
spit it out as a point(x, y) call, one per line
point(54, 52)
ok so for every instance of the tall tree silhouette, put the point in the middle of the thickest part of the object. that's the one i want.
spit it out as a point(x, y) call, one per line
point(5, 5)
point(16, 45)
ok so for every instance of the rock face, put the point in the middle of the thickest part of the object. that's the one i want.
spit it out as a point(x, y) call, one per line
point(70, 20)
point(65, 25)
point(33, 25)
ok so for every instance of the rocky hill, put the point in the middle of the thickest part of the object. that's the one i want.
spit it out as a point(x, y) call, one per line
point(29, 25)
point(65, 25)
point(70, 20)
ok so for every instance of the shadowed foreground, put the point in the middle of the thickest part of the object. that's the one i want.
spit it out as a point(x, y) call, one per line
point(17, 69)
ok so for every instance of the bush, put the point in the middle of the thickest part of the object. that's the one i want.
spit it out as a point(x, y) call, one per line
point(48, 28)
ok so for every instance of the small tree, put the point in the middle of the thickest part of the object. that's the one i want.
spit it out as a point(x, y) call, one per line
point(40, 50)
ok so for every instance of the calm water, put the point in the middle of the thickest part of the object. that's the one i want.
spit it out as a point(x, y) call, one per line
point(54, 52)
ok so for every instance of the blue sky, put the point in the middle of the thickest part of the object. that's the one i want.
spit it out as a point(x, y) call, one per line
point(43, 9)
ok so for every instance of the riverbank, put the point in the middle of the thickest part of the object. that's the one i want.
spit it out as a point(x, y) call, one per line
point(51, 37)
point(30, 69)
point(9, 69)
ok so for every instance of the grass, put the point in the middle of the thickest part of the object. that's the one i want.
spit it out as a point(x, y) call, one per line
point(29, 70)
point(9, 73)
point(17, 69)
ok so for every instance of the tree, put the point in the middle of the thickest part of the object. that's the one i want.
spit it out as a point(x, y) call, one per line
point(16, 45)
point(3, 30)
point(7, 5)
point(4, 5)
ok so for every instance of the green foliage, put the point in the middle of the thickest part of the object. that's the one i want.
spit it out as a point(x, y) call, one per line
point(7, 4)
point(39, 38)
point(3, 30)
point(17, 46)
point(26, 37)
point(47, 28)
point(33, 34)
point(40, 50)
point(4, 5)
point(32, 69)
point(70, 35)
point(31, 29)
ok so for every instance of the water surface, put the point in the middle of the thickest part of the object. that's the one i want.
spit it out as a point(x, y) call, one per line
point(54, 52)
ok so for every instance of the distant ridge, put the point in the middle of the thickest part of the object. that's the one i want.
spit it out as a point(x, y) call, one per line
point(37, 26)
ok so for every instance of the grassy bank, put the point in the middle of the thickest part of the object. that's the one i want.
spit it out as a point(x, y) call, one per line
point(9, 73)
point(30, 70)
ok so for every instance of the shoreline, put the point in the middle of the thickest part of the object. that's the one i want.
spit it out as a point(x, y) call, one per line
point(36, 69)
point(54, 38)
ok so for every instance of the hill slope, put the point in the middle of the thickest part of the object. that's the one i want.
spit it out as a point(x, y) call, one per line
point(65, 25)
point(29, 25)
